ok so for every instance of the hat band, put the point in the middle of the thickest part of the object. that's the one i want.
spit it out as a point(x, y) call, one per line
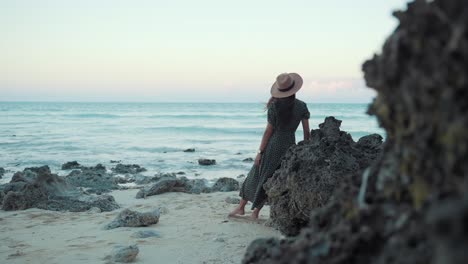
point(288, 88)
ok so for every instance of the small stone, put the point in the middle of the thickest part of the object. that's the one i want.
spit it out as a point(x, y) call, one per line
point(146, 234)
point(129, 218)
point(94, 210)
point(189, 150)
point(219, 239)
point(115, 161)
point(124, 254)
point(206, 162)
point(248, 160)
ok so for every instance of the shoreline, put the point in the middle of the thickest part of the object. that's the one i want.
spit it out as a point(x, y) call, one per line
point(193, 228)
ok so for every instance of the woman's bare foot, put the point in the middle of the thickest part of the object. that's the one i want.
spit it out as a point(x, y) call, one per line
point(254, 214)
point(237, 211)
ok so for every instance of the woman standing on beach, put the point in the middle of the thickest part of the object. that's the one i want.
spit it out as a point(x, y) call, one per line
point(285, 112)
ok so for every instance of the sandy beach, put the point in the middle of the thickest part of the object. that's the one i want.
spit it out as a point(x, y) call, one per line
point(193, 229)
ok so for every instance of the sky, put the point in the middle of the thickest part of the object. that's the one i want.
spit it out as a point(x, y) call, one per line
point(188, 51)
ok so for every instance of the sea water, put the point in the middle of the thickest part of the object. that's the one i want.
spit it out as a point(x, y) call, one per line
point(153, 135)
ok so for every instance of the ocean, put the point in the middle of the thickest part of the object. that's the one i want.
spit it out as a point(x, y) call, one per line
point(153, 135)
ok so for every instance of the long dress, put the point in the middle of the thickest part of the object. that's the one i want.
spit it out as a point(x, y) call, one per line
point(282, 138)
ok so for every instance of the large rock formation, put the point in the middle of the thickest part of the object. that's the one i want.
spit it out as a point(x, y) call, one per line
point(38, 187)
point(411, 206)
point(312, 170)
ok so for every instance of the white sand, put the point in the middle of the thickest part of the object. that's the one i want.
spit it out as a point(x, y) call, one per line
point(195, 229)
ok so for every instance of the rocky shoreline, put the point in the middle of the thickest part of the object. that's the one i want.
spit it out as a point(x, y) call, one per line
point(85, 187)
point(410, 204)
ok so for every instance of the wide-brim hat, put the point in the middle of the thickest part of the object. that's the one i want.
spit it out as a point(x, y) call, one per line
point(286, 85)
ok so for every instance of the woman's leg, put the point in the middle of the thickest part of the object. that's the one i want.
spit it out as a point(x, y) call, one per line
point(240, 209)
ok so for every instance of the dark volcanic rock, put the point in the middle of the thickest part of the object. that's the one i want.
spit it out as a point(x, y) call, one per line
point(128, 169)
point(225, 185)
point(95, 178)
point(2, 172)
point(129, 218)
point(71, 165)
point(312, 170)
point(410, 207)
point(206, 162)
point(44, 190)
point(189, 150)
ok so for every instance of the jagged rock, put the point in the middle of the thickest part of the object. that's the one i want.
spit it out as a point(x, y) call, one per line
point(248, 160)
point(410, 207)
point(129, 218)
point(163, 186)
point(170, 183)
point(312, 170)
point(44, 190)
point(448, 227)
point(198, 186)
point(95, 178)
point(123, 254)
point(71, 165)
point(141, 179)
point(225, 185)
point(2, 172)
point(206, 162)
point(189, 150)
point(146, 234)
point(128, 169)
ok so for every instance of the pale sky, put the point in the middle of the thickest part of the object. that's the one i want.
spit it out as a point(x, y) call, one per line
point(192, 50)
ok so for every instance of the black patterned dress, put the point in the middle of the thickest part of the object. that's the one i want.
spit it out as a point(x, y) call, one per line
point(282, 138)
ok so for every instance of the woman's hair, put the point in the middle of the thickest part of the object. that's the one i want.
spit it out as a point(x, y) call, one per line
point(284, 108)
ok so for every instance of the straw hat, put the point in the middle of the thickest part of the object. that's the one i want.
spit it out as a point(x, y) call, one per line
point(286, 85)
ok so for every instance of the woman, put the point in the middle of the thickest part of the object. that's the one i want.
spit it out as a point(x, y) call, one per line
point(285, 112)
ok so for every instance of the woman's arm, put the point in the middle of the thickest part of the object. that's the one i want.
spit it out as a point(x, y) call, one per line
point(266, 137)
point(305, 127)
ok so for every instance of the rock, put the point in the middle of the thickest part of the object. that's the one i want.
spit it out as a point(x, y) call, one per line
point(115, 161)
point(198, 186)
point(124, 254)
point(163, 186)
point(409, 205)
point(128, 169)
point(71, 165)
point(248, 160)
point(448, 224)
point(39, 188)
point(180, 173)
point(170, 183)
point(94, 210)
point(232, 200)
point(225, 185)
point(129, 218)
point(146, 234)
point(2, 172)
point(312, 170)
point(206, 162)
point(241, 176)
point(95, 178)
point(189, 150)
